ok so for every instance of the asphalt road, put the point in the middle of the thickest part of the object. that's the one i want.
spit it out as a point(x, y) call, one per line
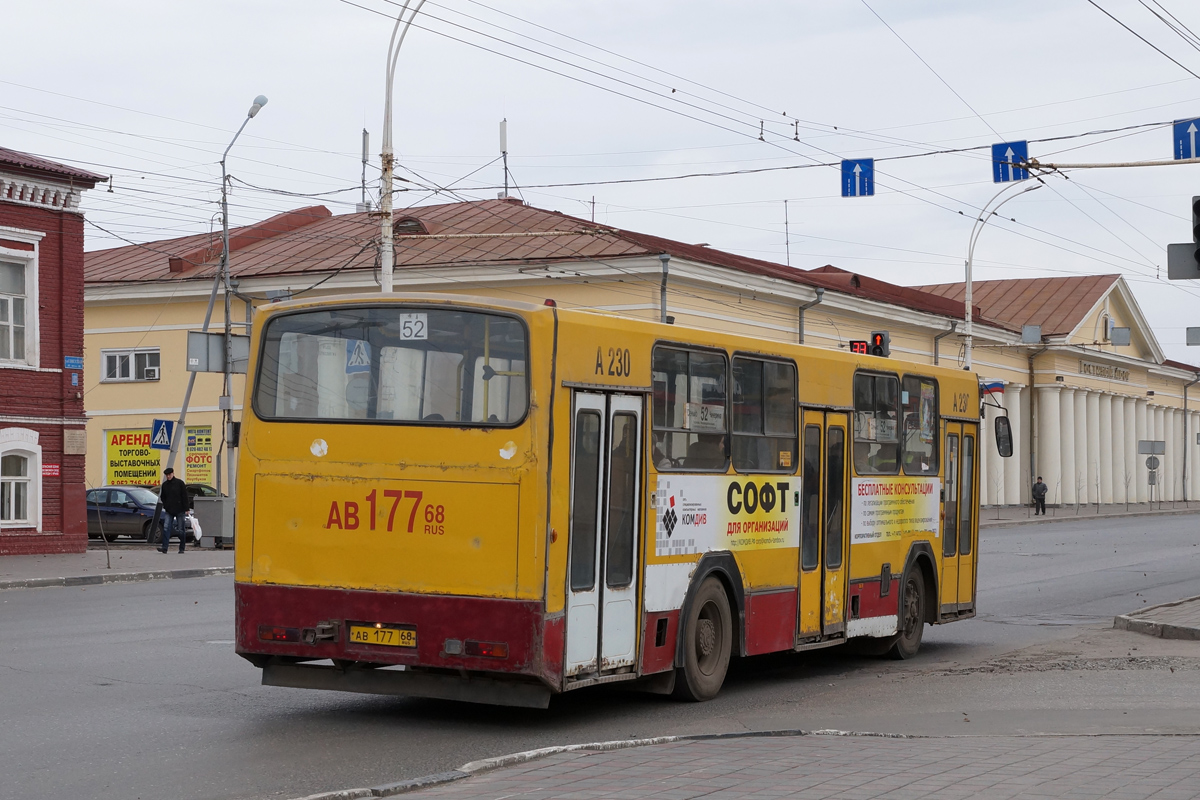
point(133, 691)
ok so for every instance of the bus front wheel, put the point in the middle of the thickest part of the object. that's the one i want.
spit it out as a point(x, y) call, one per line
point(707, 643)
point(912, 616)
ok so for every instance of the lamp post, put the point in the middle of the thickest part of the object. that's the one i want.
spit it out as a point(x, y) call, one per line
point(984, 217)
point(226, 402)
point(386, 251)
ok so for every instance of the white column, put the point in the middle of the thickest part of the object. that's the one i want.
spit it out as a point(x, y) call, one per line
point(1066, 440)
point(1193, 456)
point(1168, 459)
point(981, 456)
point(1081, 437)
point(1093, 447)
point(1131, 447)
point(1020, 456)
point(994, 463)
point(1106, 448)
point(1049, 464)
point(1142, 433)
point(1117, 432)
point(1157, 435)
point(1177, 463)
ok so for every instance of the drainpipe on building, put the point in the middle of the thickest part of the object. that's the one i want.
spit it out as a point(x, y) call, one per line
point(820, 296)
point(665, 258)
point(940, 336)
point(1185, 436)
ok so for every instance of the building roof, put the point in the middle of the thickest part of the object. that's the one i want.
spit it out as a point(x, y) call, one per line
point(1057, 304)
point(488, 232)
point(25, 162)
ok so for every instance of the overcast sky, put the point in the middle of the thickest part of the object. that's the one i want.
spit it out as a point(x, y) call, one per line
point(152, 92)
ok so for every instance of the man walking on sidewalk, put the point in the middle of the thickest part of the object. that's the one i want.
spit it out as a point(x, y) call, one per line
point(174, 498)
point(1039, 499)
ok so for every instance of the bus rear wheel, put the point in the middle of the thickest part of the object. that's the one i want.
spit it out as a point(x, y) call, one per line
point(707, 643)
point(912, 616)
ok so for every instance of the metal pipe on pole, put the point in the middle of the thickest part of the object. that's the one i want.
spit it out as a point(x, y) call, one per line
point(982, 220)
point(665, 258)
point(386, 233)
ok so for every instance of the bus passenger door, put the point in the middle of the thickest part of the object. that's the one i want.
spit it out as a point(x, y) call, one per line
point(809, 594)
point(606, 459)
point(950, 497)
point(836, 524)
point(967, 513)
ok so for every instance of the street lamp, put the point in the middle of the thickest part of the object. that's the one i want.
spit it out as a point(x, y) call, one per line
point(226, 402)
point(984, 217)
point(386, 251)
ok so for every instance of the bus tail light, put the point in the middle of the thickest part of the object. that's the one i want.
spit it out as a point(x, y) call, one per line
point(489, 649)
point(273, 633)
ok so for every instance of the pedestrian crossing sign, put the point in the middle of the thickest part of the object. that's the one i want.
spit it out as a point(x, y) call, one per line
point(160, 434)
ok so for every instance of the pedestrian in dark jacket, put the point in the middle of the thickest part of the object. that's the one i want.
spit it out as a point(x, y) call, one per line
point(1039, 497)
point(175, 501)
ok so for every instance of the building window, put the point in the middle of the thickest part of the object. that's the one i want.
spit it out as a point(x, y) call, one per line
point(764, 416)
point(689, 410)
point(14, 489)
point(14, 302)
point(919, 397)
point(876, 433)
point(130, 365)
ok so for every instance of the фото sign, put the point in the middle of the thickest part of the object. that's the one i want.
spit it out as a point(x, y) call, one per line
point(198, 455)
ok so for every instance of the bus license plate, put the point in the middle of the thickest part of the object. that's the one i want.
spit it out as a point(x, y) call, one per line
point(386, 635)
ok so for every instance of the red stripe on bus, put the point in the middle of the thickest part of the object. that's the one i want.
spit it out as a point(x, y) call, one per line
point(770, 622)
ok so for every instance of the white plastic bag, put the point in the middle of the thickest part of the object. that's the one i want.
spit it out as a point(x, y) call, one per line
point(197, 532)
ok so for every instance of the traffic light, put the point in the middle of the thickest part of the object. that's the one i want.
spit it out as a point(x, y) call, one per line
point(1196, 228)
point(859, 346)
point(881, 343)
point(1183, 260)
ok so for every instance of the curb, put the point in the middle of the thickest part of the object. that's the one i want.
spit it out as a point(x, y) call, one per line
point(488, 764)
point(115, 577)
point(1162, 630)
point(1003, 523)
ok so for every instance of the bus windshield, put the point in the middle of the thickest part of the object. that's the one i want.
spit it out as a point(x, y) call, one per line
point(394, 363)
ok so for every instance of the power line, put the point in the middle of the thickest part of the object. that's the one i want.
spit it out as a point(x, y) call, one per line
point(1143, 38)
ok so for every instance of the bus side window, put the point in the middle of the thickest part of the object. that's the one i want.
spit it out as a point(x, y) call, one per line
point(764, 416)
point(876, 434)
point(810, 530)
point(919, 437)
point(689, 409)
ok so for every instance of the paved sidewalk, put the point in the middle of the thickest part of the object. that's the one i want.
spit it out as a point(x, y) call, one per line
point(846, 767)
point(128, 564)
point(1008, 516)
point(1178, 620)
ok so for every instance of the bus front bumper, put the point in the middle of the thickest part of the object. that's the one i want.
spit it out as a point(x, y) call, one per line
point(431, 635)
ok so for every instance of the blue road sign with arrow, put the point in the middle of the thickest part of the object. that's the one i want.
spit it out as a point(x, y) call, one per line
point(1185, 138)
point(858, 177)
point(1005, 157)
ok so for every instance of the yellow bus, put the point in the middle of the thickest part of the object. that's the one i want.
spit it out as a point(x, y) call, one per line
point(468, 498)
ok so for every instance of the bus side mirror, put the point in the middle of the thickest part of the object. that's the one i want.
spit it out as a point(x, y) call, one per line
point(1004, 442)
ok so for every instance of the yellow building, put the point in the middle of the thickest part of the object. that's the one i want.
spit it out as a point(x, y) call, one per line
point(1080, 400)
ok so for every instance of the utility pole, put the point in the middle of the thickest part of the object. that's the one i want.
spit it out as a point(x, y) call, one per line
point(504, 152)
point(366, 150)
point(387, 255)
point(226, 401)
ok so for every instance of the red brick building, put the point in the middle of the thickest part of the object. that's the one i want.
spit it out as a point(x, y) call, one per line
point(42, 424)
